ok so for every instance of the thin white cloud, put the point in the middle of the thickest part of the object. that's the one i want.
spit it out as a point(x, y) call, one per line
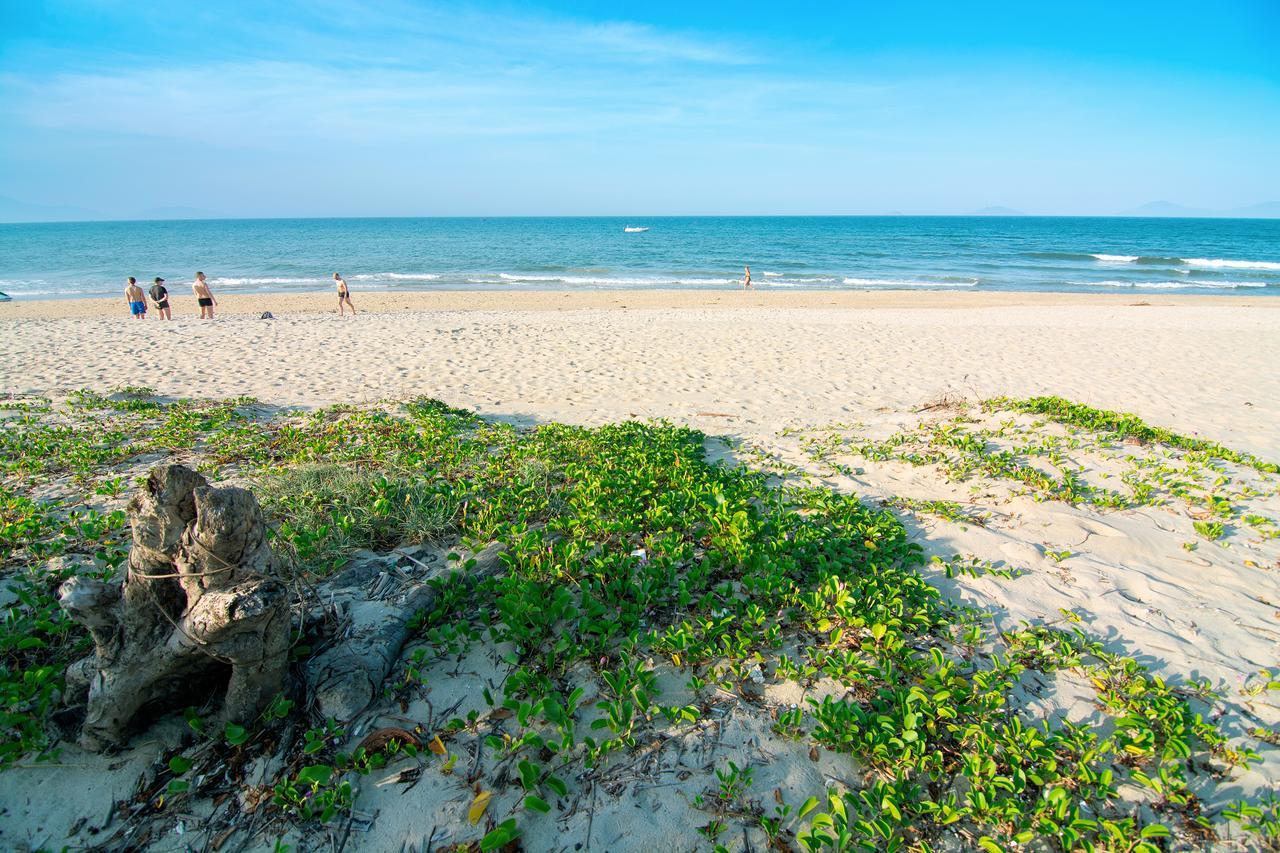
point(347, 69)
point(266, 103)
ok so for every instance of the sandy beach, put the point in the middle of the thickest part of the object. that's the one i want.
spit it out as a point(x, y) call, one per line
point(765, 359)
point(775, 374)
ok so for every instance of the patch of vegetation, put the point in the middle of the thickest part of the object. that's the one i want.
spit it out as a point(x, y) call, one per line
point(1124, 425)
point(324, 512)
point(37, 640)
point(1155, 467)
point(952, 511)
point(1260, 820)
point(628, 552)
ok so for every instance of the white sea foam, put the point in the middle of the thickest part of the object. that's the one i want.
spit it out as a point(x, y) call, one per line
point(602, 281)
point(1218, 263)
point(396, 276)
point(1172, 285)
point(15, 292)
point(235, 282)
point(896, 282)
point(801, 282)
point(1201, 263)
point(1156, 285)
point(772, 274)
point(379, 276)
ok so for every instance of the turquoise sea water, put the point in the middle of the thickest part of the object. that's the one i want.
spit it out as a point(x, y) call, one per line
point(1225, 256)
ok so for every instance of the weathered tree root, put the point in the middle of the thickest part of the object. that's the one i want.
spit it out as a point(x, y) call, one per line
point(376, 607)
point(201, 604)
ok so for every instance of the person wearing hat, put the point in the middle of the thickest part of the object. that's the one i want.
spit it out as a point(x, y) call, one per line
point(160, 296)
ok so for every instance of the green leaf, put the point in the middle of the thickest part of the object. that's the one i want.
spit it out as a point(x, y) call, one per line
point(503, 834)
point(235, 734)
point(808, 806)
point(528, 774)
point(179, 764)
point(315, 774)
point(536, 803)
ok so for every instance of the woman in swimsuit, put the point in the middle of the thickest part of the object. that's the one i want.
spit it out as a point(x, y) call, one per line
point(137, 301)
point(344, 296)
point(204, 297)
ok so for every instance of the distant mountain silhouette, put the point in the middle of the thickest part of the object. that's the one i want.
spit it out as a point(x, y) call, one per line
point(998, 210)
point(1164, 208)
point(1265, 210)
point(12, 210)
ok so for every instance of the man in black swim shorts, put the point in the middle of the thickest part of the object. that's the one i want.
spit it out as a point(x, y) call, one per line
point(204, 296)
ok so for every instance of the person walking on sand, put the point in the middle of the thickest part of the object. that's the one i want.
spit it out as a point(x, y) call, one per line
point(137, 301)
point(746, 279)
point(160, 296)
point(204, 297)
point(344, 296)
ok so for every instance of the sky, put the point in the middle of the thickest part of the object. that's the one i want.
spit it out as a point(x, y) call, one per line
point(403, 108)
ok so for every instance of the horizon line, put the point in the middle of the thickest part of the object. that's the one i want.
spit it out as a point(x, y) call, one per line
point(645, 216)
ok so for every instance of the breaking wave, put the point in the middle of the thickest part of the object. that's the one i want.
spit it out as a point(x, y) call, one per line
point(239, 282)
point(395, 276)
point(1218, 263)
point(1173, 285)
point(911, 282)
point(597, 281)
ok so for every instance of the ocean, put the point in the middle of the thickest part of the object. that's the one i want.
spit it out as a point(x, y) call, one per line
point(1077, 254)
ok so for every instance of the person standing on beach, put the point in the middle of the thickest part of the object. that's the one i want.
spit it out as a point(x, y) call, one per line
point(746, 279)
point(344, 296)
point(137, 301)
point(160, 296)
point(204, 297)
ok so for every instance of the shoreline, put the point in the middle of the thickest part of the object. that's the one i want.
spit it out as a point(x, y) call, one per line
point(385, 301)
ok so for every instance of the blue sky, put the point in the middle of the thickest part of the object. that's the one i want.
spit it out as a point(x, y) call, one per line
point(339, 108)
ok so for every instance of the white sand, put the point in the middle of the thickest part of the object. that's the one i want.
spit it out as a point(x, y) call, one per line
point(1195, 365)
point(1208, 367)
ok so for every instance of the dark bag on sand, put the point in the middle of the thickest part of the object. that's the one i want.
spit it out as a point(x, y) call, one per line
point(266, 315)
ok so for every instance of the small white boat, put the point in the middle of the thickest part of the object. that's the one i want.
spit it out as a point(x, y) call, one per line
point(634, 229)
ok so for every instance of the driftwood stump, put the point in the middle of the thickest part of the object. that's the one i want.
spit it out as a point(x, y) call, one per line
point(200, 608)
point(375, 600)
